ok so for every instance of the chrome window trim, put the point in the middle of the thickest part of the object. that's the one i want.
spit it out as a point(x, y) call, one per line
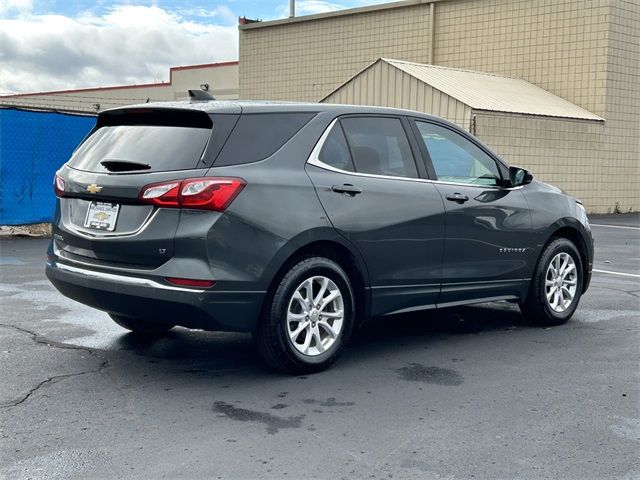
point(314, 159)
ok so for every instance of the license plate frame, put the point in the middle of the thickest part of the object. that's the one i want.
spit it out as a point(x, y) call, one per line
point(102, 216)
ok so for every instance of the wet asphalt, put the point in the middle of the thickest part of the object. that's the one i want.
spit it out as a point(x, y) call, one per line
point(468, 393)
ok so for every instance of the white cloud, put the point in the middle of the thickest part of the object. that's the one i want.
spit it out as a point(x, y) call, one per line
point(309, 7)
point(128, 44)
point(15, 6)
point(221, 13)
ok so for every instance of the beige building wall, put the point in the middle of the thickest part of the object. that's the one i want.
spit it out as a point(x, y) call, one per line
point(222, 79)
point(305, 60)
point(585, 51)
point(387, 86)
point(553, 149)
point(620, 145)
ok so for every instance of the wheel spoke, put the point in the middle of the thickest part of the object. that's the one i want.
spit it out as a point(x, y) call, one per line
point(296, 317)
point(564, 261)
point(300, 299)
point(294, 335)
point(569, 294)
point(328, 328)
point(336, 314)
point(563, 300)
point(550, 294)
point(318, 340)
point(556, 266)
point(309, 290)
point(307, 342)
point(328, 299)
point(323, 289)
point(568, 270)
point(556, 298)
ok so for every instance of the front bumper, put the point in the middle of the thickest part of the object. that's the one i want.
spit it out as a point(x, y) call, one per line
point(146, 298)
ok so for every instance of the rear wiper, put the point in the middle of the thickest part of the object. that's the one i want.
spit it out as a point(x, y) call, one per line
point(124, 165)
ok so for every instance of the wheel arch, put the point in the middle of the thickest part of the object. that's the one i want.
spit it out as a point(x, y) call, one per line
point(326, 243)
point(575, 232)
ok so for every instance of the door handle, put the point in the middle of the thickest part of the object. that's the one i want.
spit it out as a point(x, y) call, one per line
point(346, 189)
point(457, 197)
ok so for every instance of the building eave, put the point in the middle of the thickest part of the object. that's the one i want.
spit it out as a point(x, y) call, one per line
point(337, 13)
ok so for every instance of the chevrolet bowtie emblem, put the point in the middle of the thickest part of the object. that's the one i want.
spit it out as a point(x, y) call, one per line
point(93, 188)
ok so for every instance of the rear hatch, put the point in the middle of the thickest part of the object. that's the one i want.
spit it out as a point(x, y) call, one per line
point(99, 218)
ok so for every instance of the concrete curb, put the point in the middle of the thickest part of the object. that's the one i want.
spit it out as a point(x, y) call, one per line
point(33, 230)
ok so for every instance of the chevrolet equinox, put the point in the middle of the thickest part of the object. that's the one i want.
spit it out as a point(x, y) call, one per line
point(297, 222)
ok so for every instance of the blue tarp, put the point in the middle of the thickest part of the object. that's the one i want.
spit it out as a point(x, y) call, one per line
point(33, 145)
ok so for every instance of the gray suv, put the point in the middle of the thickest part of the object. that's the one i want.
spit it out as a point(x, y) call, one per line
point(297, 222)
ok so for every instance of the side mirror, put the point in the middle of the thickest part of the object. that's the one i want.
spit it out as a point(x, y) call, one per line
point(519, 176)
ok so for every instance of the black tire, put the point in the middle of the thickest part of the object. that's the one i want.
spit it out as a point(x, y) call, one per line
point(536, 308)
point(141, 327)
point(272, 337)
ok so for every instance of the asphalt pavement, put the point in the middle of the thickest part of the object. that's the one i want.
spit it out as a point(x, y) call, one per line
point(468, 393)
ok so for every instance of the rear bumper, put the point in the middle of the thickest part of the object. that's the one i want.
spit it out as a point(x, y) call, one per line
point(144, 297)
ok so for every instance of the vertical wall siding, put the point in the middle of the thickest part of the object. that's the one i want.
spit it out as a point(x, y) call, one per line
point(387, 86)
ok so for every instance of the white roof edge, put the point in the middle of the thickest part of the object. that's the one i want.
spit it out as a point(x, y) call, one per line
point(492, 92)
point(442, 67)
point(336, 13)
point(486, 92)
point(595, 117)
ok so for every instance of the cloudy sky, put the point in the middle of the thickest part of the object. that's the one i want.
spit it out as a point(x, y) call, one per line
point(61, 44)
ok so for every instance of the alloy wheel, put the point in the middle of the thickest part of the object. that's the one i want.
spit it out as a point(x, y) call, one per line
point(561, 282)
point(315, 316)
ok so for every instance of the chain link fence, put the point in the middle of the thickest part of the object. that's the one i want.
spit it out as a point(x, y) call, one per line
point(33, 146)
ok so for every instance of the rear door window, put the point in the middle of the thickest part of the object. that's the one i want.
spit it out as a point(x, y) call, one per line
point(259, 135)
point(335, 151)
point(379, 146)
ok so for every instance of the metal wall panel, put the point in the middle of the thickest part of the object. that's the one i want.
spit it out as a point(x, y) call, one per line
point(385, 85)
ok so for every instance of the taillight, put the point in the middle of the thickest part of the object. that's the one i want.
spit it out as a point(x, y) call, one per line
point(207, 193)
point(210, 193)
point(161, 194)
point(58, 185)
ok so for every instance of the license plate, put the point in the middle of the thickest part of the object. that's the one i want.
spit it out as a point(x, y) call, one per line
point(102, 216)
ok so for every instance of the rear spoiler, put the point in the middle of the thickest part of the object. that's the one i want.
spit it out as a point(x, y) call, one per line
point(170, 117)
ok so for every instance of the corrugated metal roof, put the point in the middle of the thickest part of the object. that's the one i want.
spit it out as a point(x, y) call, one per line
point(486, 91)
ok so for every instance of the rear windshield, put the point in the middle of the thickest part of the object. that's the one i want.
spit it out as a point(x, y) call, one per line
point(141, 148)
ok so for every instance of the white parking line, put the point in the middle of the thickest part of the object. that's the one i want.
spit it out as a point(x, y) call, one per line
point(614, 226)
point(617, 273)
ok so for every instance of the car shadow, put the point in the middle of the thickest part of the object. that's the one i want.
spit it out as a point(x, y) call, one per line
point(216, 354)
